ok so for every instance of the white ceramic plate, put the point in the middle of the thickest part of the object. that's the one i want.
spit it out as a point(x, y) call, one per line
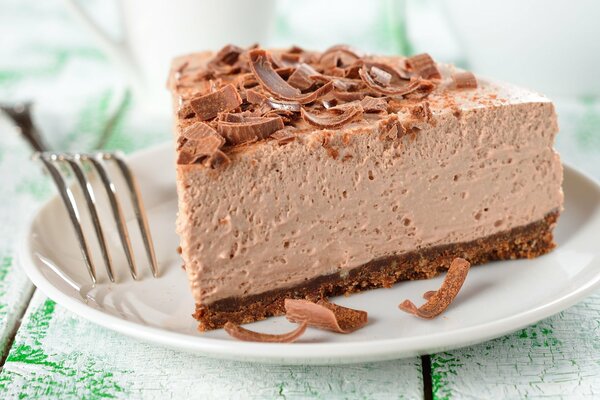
point(496, 299)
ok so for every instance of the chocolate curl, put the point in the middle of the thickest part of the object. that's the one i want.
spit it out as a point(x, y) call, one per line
point(301, 77)
point(374, 104)
point(424, 66)
point(464, 80)
point(328, 120)
point(270, 80)
point(429, 294)
point(197, 141)
point(390, 90)
point(218, 159)
point(438, 301)
point(255, 97)
point(246, 335)
point(380, 76)
point(224, 60)
point(208, 106)
point(283, 136)
point(249, 129)
point(325, 315)
point(292, 106)
point(339, 56)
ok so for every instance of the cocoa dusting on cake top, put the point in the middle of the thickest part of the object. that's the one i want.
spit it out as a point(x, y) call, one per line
point(244, 95)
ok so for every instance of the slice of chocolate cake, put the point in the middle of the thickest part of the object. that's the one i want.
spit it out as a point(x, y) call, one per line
point(306, 175)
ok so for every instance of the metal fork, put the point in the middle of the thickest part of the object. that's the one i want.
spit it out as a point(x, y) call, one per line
point(58, 164)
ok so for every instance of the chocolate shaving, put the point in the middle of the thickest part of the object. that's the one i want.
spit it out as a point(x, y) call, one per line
point(330, 120)
point(208, 106)
point(277, 86)
point(185, 110)
point(291, 58)
point(325, 315)
point(438, 301)
point(284, 105)
point(255, 97)
point(429, 294)
point(249, 129)
point(284, 136)
point(396, 90)
point(286, 115)
point(464, 80)
point(380, 76)
point(197, 141)
point(285, 72)
point(218, 159)
point(198, 130)
point(374, 104)
point(228, 55)
point(295, 50)
point(339, 56)
point(301, 77)
point(424, 66)
point(349, 96)
point(397, 75)
point(246, 335)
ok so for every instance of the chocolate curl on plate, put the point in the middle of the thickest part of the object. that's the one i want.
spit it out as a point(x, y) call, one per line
point(424, 66)
point(246, 335)
point(330, 120)
point(208, 106)
point(325, 315)
point(464, 80)
point(270, 80)
point(249, 129)
point(398, 89)
point(439, 300)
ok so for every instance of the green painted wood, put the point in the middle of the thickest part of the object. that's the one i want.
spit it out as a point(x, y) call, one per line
point(21, 191)
point(558, 357)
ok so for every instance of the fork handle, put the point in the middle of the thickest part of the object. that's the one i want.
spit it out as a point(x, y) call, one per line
point(20, 114)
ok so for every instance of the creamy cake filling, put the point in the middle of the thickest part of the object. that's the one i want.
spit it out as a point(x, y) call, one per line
point(281, 215)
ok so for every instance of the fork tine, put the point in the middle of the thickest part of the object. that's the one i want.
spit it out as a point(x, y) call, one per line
point(138, 206)
point(117, 211)
point(88, 192)
point(69, 201)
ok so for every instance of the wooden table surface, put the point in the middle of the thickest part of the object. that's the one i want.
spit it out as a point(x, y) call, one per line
point(48, 352)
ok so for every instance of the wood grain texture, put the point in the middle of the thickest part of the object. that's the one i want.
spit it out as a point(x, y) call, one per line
point(22, 189)
point(59, 355)
point(558, 357)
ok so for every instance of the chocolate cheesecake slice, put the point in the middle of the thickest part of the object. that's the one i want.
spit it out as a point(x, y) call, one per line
point(306, 175)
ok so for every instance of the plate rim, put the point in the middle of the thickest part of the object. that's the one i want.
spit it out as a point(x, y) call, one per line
point(325, 353)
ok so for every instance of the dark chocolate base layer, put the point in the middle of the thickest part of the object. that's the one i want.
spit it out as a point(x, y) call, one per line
point(527, 241)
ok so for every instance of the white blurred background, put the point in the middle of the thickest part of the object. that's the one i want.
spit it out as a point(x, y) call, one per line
point(100, 65)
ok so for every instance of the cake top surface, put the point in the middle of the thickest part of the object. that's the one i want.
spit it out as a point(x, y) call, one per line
point(238, 97)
